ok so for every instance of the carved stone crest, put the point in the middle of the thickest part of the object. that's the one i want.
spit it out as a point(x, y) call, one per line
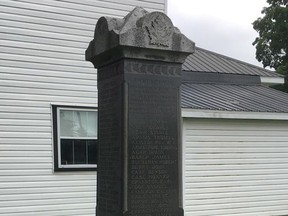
point(159, 29)
point(140, 35)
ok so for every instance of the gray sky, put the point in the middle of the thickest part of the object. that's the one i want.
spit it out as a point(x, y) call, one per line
point(222, 26)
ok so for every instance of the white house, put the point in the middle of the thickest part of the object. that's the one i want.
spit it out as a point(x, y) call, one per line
point(235, 140)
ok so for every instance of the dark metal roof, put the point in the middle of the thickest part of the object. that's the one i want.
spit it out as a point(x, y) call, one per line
point(206, 61)
point(249, 98)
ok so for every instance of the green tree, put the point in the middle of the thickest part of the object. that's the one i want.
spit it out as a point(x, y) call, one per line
point(272, 42)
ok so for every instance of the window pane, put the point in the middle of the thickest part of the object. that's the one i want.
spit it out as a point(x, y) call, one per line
point(92, 151)
point(80, 156)
point(78, 123)
point(92, 124)
point(66, 123)
point(66, 151)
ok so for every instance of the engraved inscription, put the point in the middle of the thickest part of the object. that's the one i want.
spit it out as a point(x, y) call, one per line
point(153, 147)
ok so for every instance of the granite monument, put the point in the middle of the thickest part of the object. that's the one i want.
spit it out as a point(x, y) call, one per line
point(139, 62)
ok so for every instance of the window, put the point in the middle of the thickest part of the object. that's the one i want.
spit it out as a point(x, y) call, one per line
point(75, 138)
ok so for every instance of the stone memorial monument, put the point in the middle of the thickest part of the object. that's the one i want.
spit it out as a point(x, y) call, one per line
point(139, 62)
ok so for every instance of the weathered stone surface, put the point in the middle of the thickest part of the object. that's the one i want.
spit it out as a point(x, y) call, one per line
point(139, 35)
point(139, 168)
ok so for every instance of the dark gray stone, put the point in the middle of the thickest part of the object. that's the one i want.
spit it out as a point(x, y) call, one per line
point(139, 76)
point(139, 35)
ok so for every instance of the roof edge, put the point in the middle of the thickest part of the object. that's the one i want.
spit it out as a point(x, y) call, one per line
point(217, 114)
point(272, 80)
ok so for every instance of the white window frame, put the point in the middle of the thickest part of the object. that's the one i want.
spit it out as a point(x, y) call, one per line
point(71, 166)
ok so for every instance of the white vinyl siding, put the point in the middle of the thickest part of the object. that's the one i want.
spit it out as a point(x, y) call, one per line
point(235, 167)
point(42, 61)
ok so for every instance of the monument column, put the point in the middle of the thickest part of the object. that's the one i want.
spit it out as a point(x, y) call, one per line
point(139, 62)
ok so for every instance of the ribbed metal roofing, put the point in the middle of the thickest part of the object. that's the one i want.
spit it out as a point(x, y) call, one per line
point(206, 61)
point(222, 97)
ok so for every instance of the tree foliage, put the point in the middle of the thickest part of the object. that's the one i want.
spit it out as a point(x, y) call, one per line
point(272, 42)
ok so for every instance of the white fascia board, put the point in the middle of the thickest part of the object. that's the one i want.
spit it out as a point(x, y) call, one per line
point(216, 114)
point(272, 80)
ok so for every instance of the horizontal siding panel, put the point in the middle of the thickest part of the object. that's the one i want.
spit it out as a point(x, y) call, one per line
point(88, 211)
point(23, 147)
point(232, 150)
point(8, 35)
point(53, 75)
point(232, 178)
point(238, 156)
point(41, 53)
point(48, 202)
point(235, 167)
point(239, 183)
point(13, 109)
point(24, 116)
point(28, 197)
point(219, 173)
point(40, 66)
point(236, 144)
point(52, 185)
point(44, 60)
point(255, 199)
point(49, 98)
point(31, 172)
point(22, 159)
point(235, 138)
point(34, 190)
point(30, 140)
point(267, 213)
point(73, 176)
point(68, 83)
point(232, 195)
point(24, 166)
point(49, 35)
point(26, 129)
point(20, 153)
point(246, 133)
point(192, 161)
point(49, 207)
point(42, 91)
point(48, 86)
point(58, 50)
point(24, 103)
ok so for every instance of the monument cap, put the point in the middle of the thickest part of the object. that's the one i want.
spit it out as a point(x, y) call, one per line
point(139, 35)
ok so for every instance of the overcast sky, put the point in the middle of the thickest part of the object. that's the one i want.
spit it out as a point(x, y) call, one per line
point(222, 26)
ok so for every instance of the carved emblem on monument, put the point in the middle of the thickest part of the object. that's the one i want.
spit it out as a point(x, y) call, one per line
point(159, 32)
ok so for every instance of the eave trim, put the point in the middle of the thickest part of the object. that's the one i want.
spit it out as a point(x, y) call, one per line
point(216, 114)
